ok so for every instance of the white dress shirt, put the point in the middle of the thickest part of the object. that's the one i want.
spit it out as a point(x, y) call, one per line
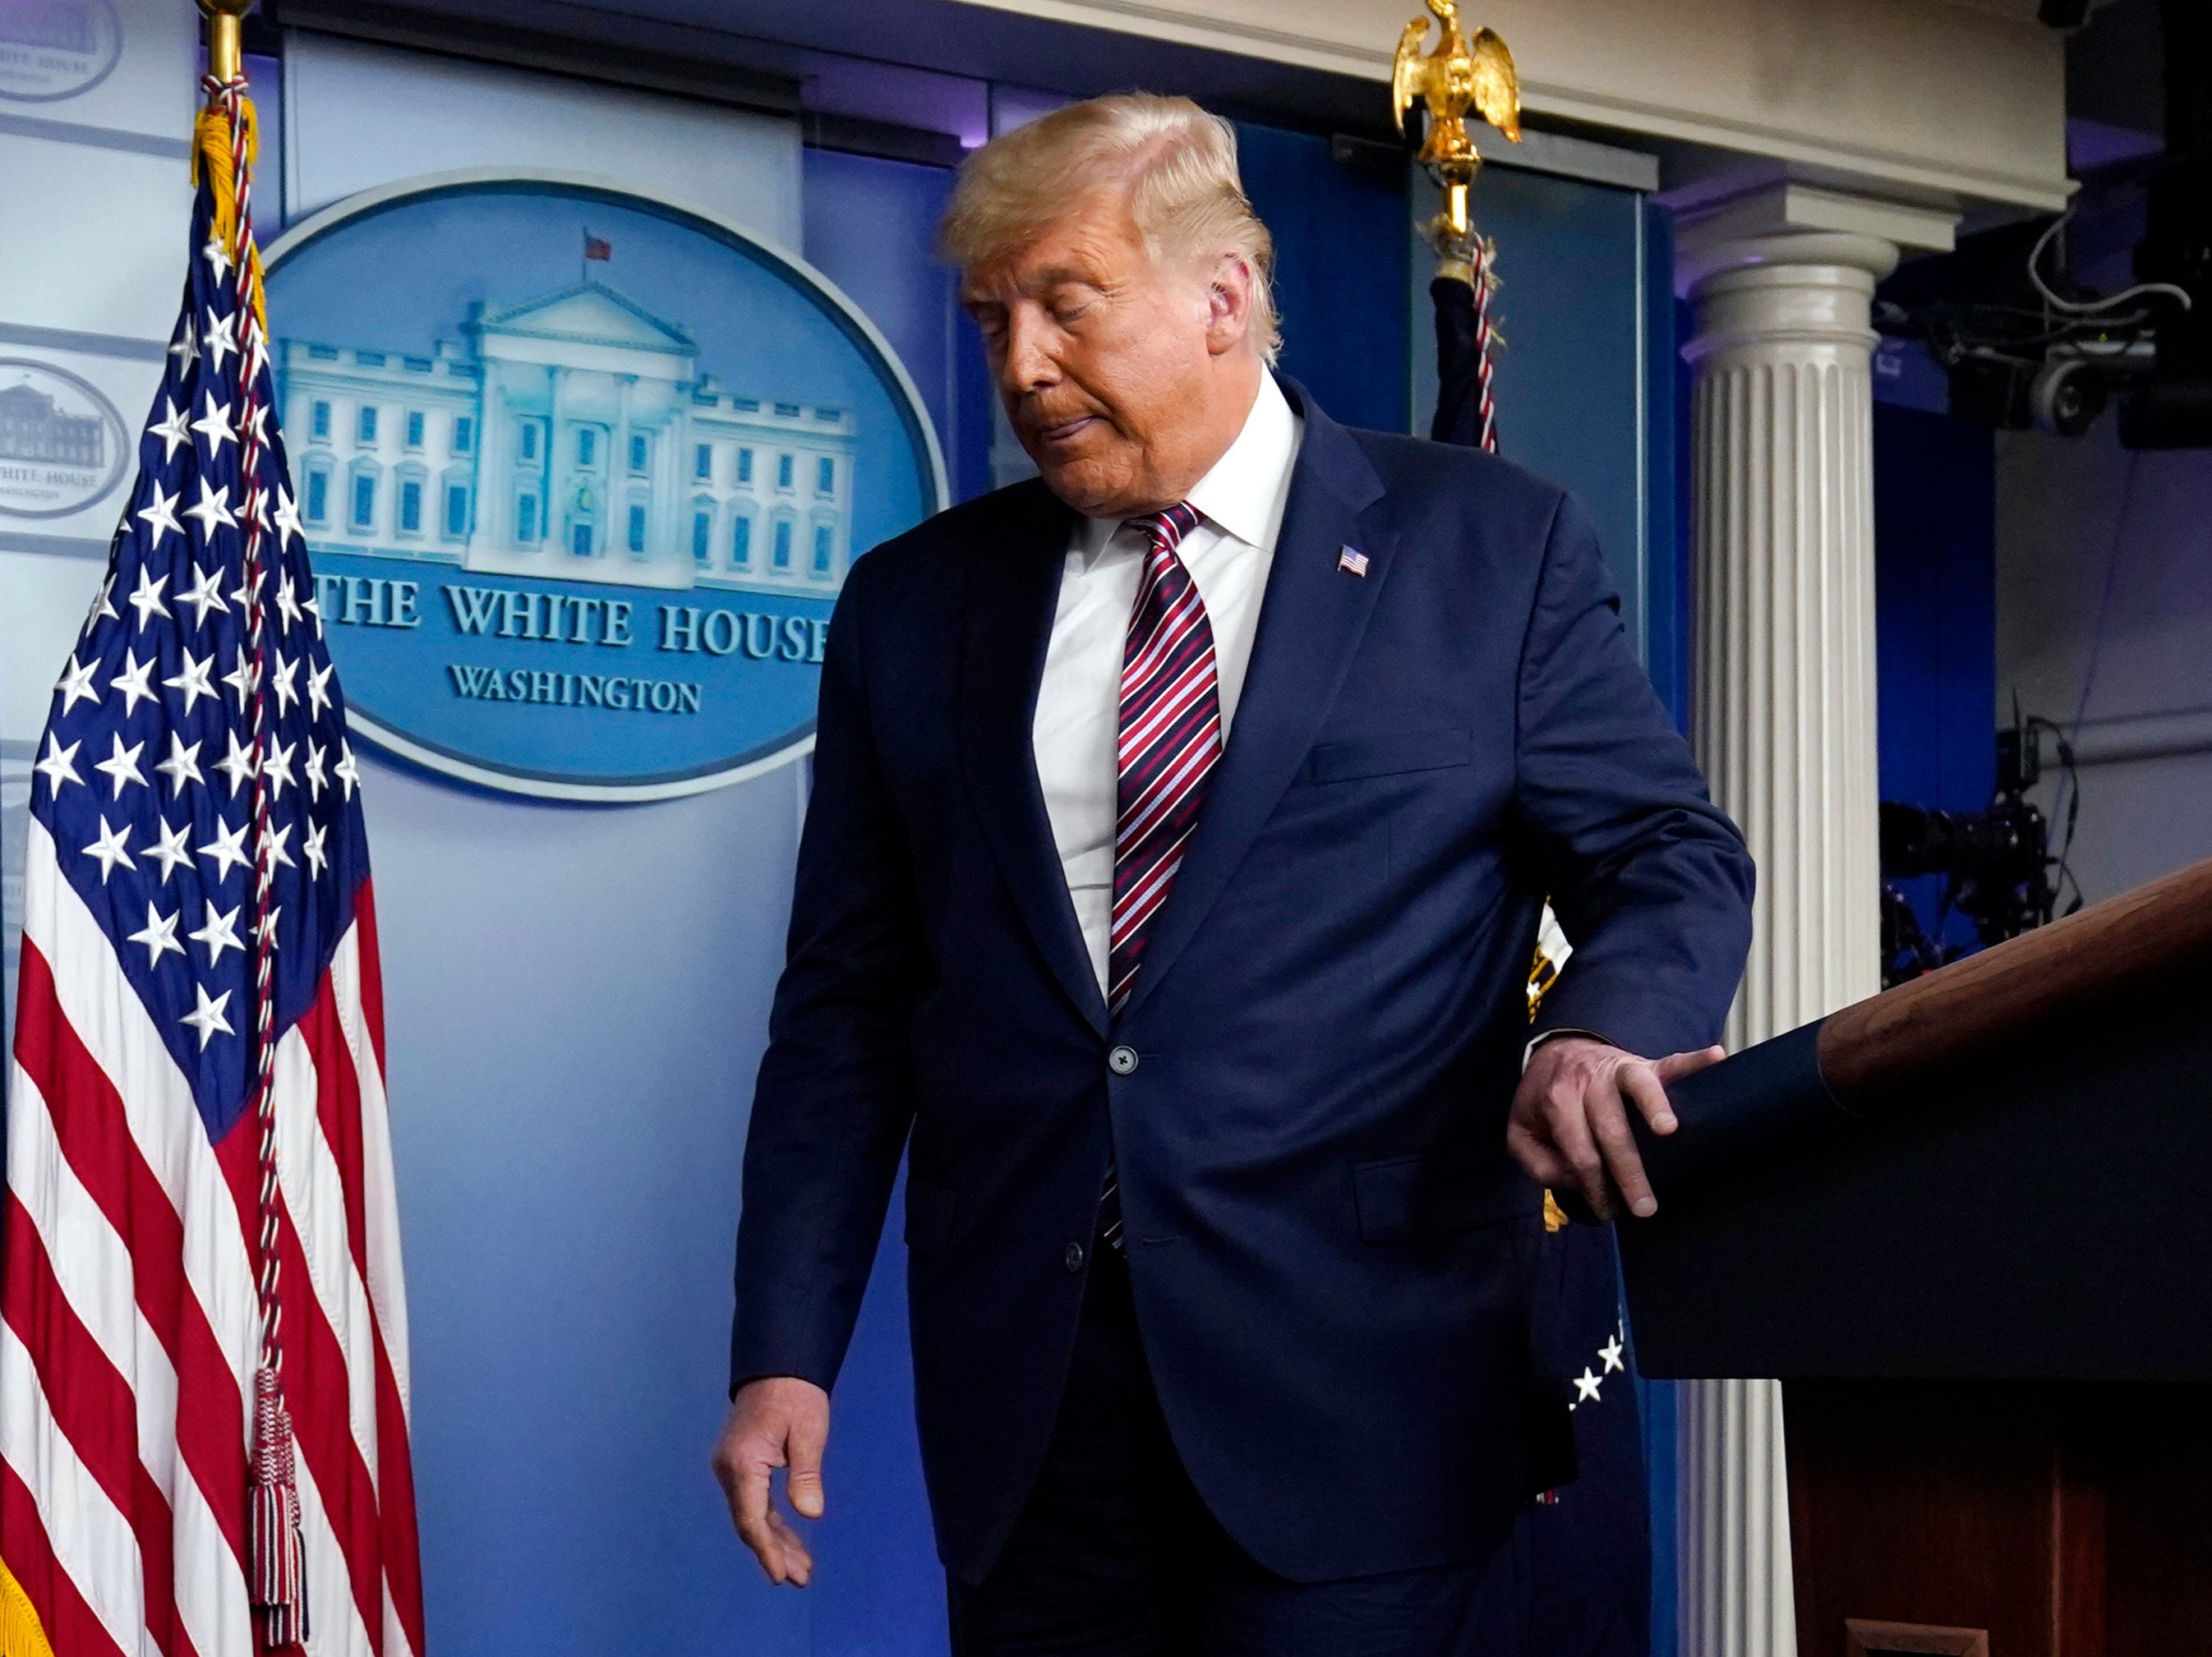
point(1077, 727)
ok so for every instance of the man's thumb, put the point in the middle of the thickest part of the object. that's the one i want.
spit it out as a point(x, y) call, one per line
point(803, 1484)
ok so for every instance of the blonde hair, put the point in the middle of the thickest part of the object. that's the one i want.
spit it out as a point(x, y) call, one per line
point(1178, 163)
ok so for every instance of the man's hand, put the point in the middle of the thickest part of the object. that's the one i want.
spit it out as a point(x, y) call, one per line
point(776, 1422)
point(1570, 1121)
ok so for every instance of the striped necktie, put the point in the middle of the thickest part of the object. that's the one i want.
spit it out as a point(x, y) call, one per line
point(1171, 741)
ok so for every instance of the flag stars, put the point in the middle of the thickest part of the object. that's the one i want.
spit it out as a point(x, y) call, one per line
point(185, 347)
point(319, 686)
point(169, 849)
point(183, 765)
point(158, 935)
point(316, 781)
point(171, 428)
point(347, 770)
point(103, 606)
point(277, 769)
point(242, 594)
point(76, 684)
point(122, 766)
point(214, 424)
point(281, 684)
point(240, 679)
point(237, 764)
point(288, 603)
point(1586, 1386)
point(274, 847)
point(228, 850)
point(207, 1017)
point(288, 518)
point(219, 339)
point(147, 598)
point(132, 682)
point(59, 765)
point(218, 256)
point(1611, 1352)
point(159, 515)
point(312, 847)
point(203, 595)
point(220, 932)
point(265, 930)
point(195, 681)
point(212, 510)
point(111, 848)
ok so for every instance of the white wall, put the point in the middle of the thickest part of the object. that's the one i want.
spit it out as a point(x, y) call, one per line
point(357, 115)
point(94, 202)
point(1926, 98)
point(2105, 585)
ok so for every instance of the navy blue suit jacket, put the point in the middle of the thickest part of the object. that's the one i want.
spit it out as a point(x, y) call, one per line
point(1332, 1255)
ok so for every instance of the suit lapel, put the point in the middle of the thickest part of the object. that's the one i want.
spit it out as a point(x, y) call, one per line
point(1008, 609)
point(1311, 620)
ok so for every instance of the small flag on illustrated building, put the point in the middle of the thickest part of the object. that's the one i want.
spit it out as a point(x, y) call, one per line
point(596, 249)
point(203, 1390)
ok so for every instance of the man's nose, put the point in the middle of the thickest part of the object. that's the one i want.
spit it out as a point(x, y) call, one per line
point(1030, 365)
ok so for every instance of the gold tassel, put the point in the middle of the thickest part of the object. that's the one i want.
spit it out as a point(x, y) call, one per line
point(211, 160)
point(20, 1635)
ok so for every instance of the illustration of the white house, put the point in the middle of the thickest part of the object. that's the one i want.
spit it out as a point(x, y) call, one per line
point(572, 439)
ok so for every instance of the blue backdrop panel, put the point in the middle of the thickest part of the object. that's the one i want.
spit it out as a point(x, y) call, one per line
point(879, 1589)
point(870, 225)
point(575, 999)
point(1935, 524)
point(1340, 272)
point(1574, 359)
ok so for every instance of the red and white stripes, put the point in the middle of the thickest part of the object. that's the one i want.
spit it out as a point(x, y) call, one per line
point(1171, 741)
point(131, 1327)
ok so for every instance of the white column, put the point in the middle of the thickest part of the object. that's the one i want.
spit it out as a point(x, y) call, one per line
point(1783, 723)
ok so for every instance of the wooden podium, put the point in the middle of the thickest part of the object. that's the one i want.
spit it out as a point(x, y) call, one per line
point(1969, 1225)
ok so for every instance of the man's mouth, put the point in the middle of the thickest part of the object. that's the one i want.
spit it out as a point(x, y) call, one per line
point(1065, 431)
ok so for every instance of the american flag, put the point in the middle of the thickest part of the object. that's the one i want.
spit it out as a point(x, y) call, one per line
point(200, 1212)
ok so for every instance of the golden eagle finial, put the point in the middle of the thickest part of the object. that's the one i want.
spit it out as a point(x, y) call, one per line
point(1458, 75)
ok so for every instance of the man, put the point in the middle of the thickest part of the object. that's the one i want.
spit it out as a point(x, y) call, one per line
point(1181, 824)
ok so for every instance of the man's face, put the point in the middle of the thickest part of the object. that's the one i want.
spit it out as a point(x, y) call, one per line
point(1106, 361)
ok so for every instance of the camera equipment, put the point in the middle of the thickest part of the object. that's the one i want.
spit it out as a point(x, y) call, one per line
point(1996, 864)
point(2023, 345)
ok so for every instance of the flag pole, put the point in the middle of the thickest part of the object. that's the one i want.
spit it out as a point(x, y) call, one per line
point(1460, 74)
point(224, 145)
point(225, 22)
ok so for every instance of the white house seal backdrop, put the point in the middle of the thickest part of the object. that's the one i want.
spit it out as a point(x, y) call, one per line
point(581, 473)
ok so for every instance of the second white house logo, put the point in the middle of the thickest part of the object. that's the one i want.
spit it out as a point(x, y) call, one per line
point(62, 444)
point(564, 547)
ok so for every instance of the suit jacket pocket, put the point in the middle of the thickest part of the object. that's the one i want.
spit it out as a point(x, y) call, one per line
point(1383, 756)
point(929, 1213)
point(1403, 1198)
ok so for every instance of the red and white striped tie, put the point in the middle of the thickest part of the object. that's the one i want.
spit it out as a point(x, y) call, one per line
point(1170, 742)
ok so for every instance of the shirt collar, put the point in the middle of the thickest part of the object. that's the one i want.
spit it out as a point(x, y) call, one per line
point(1245, 493)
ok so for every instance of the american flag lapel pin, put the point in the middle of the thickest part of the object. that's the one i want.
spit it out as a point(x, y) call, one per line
point(1354, 560)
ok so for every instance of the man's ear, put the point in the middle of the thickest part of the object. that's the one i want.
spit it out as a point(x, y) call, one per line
point(1229, 298)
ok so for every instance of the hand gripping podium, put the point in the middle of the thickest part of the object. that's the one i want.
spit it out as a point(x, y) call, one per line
point(1968, 1223)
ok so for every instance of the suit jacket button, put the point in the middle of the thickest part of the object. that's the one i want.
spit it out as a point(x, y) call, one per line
point(1122, 1060)
point(1074, 1257)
